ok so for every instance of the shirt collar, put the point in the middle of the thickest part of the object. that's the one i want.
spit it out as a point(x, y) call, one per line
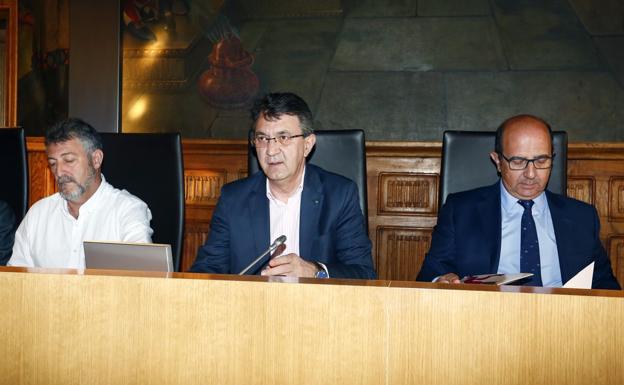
point(510, 203)
point(297, 191)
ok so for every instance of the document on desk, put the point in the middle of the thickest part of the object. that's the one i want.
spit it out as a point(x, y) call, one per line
point(583, 280)
point(495, 279)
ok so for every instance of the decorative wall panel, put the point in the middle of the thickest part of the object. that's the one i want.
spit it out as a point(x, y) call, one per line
point(400, 251)
point(616, 199)
point(41, 178)
point(582, 188)
point(203, 186)
point(195, 235)
point(39, 171)
point(616, 252)
point(407, 194)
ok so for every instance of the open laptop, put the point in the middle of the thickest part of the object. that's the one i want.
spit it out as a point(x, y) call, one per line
point(128, 256)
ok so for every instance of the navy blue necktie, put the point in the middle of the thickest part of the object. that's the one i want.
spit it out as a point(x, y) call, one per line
point(529, 246)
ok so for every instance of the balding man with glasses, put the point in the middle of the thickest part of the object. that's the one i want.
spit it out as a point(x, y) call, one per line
point(317, 211)
point(516, 225)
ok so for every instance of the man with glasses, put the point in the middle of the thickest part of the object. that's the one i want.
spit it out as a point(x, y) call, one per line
point(516, 225)
point(317, 211)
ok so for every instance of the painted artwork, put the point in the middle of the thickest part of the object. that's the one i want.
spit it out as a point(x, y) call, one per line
point(399, 70)
point(43, 63)
point(191, 66)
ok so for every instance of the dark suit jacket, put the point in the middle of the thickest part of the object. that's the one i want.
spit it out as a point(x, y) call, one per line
point(7, 232)
point(331, 229)
point(467, 238)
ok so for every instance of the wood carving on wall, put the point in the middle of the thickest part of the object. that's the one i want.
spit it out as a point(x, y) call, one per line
point(616, 199)
point(400, 251)
point(407, 194)
point(582, 188)
point(616, 252)
point(203, 186)
point(195, 235)
point(41, 178)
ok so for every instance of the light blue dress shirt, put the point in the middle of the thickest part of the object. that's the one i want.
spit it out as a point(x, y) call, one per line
point(511, 216)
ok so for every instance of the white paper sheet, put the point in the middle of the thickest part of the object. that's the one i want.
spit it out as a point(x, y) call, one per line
point(583, 280)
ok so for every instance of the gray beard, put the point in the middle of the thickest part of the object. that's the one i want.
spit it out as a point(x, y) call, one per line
point(80, 189)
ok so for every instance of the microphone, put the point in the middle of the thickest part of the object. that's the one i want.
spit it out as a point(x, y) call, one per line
point(278, 242)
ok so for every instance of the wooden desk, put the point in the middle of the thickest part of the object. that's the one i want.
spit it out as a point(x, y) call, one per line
point(68, 327)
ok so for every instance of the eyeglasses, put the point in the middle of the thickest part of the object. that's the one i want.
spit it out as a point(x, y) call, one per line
point(261, 141)
point(518, 163)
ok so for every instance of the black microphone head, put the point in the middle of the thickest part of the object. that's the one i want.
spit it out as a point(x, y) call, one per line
point(280, 240)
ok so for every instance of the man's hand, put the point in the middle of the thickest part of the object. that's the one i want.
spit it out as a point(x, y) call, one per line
point(290, 265)
point(448, 278)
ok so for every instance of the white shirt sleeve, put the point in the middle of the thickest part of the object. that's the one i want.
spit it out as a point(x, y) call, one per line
point(135, 223)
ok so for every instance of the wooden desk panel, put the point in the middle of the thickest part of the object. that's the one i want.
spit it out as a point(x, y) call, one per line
point(200, 329)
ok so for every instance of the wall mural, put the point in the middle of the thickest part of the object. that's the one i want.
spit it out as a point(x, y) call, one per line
point(188, 67)
point(183, 60)
point(43, 63)
point(403, 70)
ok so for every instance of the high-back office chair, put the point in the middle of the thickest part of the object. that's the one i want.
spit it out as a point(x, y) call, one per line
point(466, 162)
point(339, 151)
point(150, 167)
point(14, 169)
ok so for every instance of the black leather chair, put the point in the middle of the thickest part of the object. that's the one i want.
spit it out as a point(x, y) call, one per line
point(339, 151)
point(14, 170)
point(150, 167)
point(466, 162)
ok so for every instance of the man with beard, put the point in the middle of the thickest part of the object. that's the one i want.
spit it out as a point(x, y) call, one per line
point(85, 207)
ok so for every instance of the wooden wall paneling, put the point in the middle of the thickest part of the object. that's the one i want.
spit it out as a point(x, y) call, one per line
point(208, 165)
point(616, 199)
point(195, 235)
point(400, 251)
point(402, 204)
point(603, 163)
point(582, 188)
point(407, 194)
point(40, 177)
point(202, 187)
point(616, 252)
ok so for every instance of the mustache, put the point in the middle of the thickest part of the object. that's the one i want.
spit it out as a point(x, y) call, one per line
point(65, 179)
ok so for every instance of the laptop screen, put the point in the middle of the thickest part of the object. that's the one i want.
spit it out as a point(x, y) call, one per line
point(128, 256)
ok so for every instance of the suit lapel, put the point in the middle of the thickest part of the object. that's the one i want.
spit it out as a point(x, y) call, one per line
point(259, 216)
point(489, 209)
point(311, 202)
point(562, 226)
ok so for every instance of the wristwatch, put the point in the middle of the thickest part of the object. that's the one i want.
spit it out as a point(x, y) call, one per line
point(321, 273)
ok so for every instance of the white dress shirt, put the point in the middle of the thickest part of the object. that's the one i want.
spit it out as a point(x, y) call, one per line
point(511, 217)
point(284, 217)
point(49, 236)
